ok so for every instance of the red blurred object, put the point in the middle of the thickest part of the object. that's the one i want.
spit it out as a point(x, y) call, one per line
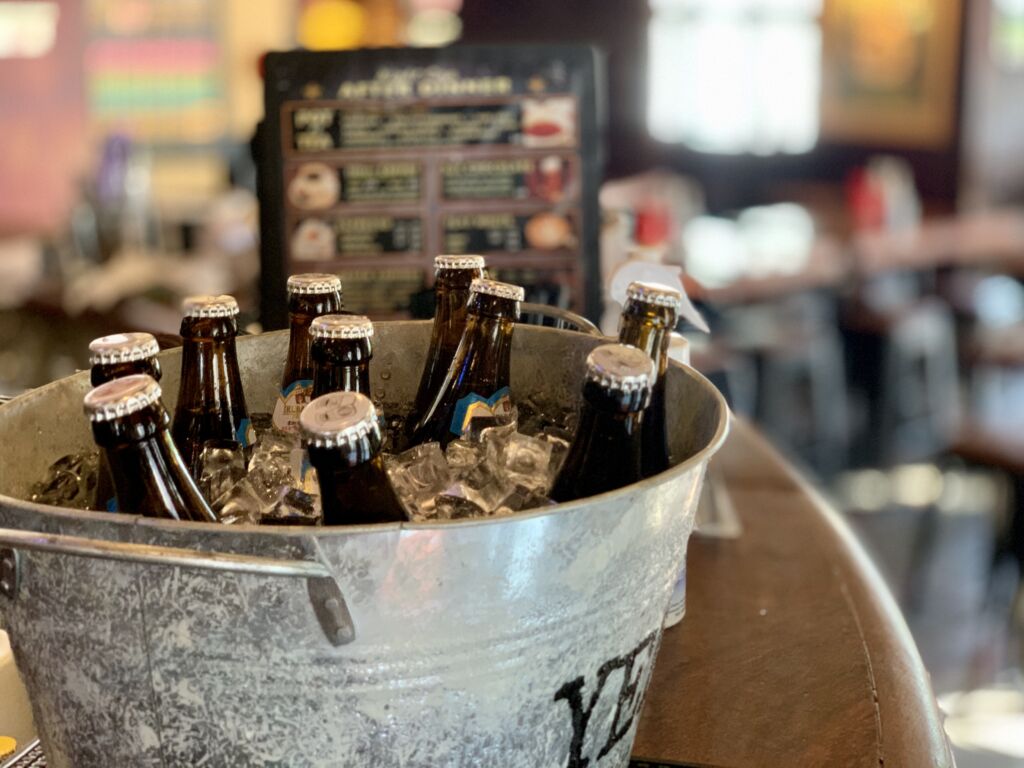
point(865, 201)
point(653, 225)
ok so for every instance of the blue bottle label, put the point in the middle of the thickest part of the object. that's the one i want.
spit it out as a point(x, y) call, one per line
point(472, 406)
point(245, 434)
point(290, 403)
point(111, 504)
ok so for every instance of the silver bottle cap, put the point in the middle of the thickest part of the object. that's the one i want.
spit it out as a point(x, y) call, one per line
point(497, 288)
point(620, 367)
point(457, 261)
point(209, 306)
point(314, 282)
point(338, 420)
point(341, 327)
point(654, 293)
point(121, 397)
point(122, 348)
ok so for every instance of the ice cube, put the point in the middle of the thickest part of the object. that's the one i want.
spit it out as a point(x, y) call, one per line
point(69, 482)
point(525, 461)
point(523, 498)
point(292, 507)
point(222, 464)
point(274, 442)
point(478, 425)
point(418, 475)
point(489, 486)
point(463, 455)
point(273, 466)
point(459, 501)
point(559, 440)
point(240, 504)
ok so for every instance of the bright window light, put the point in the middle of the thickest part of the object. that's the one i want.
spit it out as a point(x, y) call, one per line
point(735, 76)
point(27, 30)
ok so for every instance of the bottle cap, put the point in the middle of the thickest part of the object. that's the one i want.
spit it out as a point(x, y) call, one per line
point(121, 397)
point(654, 293)
point(447, 261)
point(338, 419)
point(341, 327)
point(620, 367)
point(122, 348)
point(496, 288)
point(314, 282)
point(210, 306)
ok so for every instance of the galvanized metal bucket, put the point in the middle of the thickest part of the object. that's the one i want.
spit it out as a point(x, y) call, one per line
point(519, 642)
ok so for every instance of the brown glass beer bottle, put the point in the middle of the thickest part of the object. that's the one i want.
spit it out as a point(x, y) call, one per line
point(648, 318)
point(453, 276)
point(211, 403)
point(309, 295)
point(343, 438)
point(341, 352)
point(111, 357)
point(129, 424)
point(605, 453)
point(476, 384)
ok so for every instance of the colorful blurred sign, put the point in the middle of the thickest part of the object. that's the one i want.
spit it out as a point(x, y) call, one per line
point(380, 160)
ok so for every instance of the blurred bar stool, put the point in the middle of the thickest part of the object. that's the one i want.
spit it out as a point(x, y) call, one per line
point(803, 399)
point(920, 394)
point(801, 382)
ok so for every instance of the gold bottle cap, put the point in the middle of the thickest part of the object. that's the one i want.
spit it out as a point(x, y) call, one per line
point(338, 420)
point(210, 306)
point(121, 397)
point(314, 282)
point(8, 746)
point(122, 348)
point(620, 367)
point(341, 327)
point(457, 261)
point(654, 293)
point(496, 288)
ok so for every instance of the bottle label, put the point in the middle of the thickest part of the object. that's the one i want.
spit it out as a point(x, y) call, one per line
point(245, 434)
point(111, 505)
point(290, 403)
point(473, 406)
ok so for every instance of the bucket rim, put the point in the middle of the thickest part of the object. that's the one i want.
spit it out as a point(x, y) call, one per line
point(701, 457)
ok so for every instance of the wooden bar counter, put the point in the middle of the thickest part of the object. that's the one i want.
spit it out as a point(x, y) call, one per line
point(792, 652)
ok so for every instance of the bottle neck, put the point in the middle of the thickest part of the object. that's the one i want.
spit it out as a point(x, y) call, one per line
point(451, 300)
point(209, 372)
point(450, 308)
point(302, 310)
point(341, 365)
point(649, 332)
point(101, 373)
point(605, 453)
point(147, 470)
point(354, 486)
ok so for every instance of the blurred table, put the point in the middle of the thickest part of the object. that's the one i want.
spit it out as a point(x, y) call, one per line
point(792, 652)
point(986, 239)
point(826, 267)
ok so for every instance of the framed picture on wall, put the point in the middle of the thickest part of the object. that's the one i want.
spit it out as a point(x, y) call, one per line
point(890, 71)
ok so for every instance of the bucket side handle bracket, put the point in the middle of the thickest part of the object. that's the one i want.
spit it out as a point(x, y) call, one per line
point(325, 595)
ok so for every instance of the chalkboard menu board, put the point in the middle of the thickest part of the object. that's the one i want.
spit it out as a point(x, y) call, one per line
point(373, 162)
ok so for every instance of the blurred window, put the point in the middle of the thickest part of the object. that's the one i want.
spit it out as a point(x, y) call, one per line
point(27, 30)
point(735, 76)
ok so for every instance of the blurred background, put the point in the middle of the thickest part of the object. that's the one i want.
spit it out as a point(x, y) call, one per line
point(839, 184)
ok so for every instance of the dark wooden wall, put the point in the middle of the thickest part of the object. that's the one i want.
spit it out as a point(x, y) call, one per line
point(619, 28)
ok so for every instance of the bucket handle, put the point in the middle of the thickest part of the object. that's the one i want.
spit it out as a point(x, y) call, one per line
point(325, 595)
point(562, 318)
